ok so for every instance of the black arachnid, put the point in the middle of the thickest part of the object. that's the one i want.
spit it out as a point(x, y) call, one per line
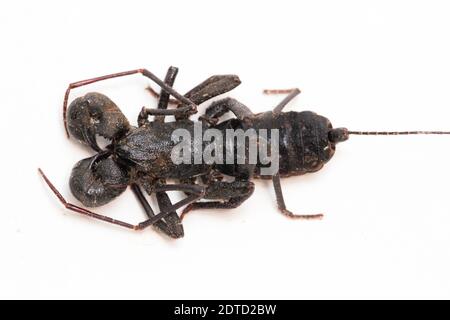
point(140, 156)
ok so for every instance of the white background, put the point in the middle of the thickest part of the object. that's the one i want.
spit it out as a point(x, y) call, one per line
point(366, 65)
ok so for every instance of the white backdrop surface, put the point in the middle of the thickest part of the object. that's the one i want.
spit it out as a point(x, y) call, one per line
point(366, 65)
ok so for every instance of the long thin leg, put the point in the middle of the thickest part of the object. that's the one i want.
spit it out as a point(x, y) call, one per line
point(173, 229)
point(219, 108)
point(280, 91)
point(172, 220)
point(83, 211)
point(165, 96)
point(157, 96)
point(172, 223)
point(163, 102)
point(282, 205)
point(231, 195)
point(292, 93)
point(144, 72)
point(208, 89)
point(197, 193)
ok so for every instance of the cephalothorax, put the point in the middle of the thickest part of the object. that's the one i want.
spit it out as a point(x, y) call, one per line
point(140, 157)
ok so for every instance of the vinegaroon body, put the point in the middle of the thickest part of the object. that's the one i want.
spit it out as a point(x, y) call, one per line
point(140, 157)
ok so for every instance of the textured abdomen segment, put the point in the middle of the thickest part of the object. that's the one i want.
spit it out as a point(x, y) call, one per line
point(303, 141)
